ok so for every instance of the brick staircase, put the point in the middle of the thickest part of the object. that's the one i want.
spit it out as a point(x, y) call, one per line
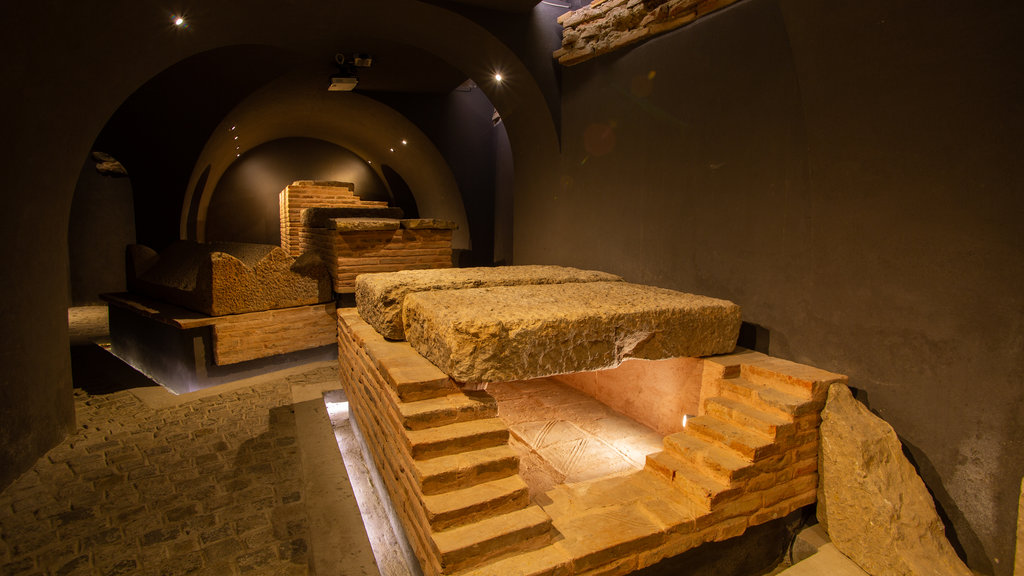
point(755, 440)
point(443, 454)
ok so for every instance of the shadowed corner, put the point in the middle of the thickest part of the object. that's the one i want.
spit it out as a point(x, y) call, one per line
point(958, 530)
point(96, 371)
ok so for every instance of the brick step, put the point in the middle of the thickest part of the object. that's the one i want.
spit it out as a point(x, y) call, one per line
point(747, 443)
point(765, 397)
point(786, 377)
point(458, 471)
point(722, 463)
point(449, 409)
point(456, 438)
point(700, 487)
point(743, 414)
point(476, 503)
point(474, 544)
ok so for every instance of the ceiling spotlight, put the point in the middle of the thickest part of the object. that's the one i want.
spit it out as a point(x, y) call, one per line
point(179, 21)
point(498, 77)
point(391, 149)
point(233, 128)
point(405, 142)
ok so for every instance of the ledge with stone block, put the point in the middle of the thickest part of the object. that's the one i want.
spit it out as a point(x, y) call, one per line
point(604, 26)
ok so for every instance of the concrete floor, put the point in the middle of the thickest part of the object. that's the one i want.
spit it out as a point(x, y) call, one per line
point(243, 478)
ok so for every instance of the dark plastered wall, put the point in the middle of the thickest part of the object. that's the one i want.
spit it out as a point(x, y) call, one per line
point(245, 208)
point(102, 224)
point(459, 124)
point(55, 111)
point(849, 174)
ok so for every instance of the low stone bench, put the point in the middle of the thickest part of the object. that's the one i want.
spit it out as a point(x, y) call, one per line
point(379, 297)
point(505, 333)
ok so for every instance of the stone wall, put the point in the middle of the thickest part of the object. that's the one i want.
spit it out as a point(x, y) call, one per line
point(242, 337)
point(356, 246)
point(607, 25)
point(303, 194)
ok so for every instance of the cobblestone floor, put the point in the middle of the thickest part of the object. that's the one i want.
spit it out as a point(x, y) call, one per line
point(209, 486)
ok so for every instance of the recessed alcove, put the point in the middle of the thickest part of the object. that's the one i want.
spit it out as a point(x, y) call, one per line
point(587, 425)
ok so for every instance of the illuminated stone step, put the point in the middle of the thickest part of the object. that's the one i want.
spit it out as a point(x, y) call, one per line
point(746, 416)
point(703, 488)
point(765, 397)
point(722, 463)
point(746, 443)
point(449, 409)
point(458, 471)
point(476, 503)
point(478, 543)
point(456, 438)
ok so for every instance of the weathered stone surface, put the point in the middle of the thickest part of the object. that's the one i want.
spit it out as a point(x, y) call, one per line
point(507, 333)
point(319, 217)
point(428, 224)
point(379, 297)
point(873, 504)
point(605, 26)
point(1018, 565)
point(231, 278)
point(362, 224)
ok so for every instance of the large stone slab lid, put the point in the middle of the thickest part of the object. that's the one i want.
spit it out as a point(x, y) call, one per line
point(379, 296)
point(318, 217)
point(506, 333)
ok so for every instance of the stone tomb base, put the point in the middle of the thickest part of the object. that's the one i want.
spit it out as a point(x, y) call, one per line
point(494, 481)
point(186, 351)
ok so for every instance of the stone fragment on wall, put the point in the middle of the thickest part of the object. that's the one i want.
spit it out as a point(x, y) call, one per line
point(505, 333)
point(608, 25)
point(379, 297)
point(873, 504)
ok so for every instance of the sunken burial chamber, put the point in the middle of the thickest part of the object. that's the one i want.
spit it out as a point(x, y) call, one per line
point(487, 429)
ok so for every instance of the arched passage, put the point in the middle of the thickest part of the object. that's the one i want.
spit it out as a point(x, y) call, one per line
point(62, 108)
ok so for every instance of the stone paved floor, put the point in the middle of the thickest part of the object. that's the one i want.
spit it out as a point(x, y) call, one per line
point(211, 485)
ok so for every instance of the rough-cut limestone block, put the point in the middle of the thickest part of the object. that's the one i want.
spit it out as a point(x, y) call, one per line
point(505, 333)
point(428, 224)
point(379, 297)
point(1018, 565)
point(318, 217)
point(231, 278)
point(871, 501)
point(362, 224)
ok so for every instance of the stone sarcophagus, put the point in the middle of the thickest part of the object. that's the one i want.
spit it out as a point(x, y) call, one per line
point(202, 314)
point(220, 278)
point(575, 427)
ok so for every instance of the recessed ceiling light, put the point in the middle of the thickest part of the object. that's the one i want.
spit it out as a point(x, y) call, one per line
point(498, 77)
point(405, 142)
point(391, 149)
point(179, 21)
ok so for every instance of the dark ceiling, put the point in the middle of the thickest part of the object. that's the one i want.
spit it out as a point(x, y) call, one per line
point(503, 5)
